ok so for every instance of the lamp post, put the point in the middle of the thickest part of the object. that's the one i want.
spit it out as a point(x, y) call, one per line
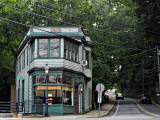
point(46, 68)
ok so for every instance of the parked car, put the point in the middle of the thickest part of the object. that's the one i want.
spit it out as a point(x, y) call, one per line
point(119, 96)
point(146, 99)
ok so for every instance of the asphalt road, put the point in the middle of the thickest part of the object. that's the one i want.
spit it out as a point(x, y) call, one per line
point(132, 109)
point(127, 109)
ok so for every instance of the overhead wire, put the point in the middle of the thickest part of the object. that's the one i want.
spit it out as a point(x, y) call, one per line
point(151, 69)
point(51, 5)
point(65, 35)
point(39, 15)
point(68, 14)
point(36, 28)
point(65, 22)
point(92, 17)
point(55, 10)
point(149, 76)
point(121, 47)
point(46, 17)
point(124, 57)
point(59, 21)
point(150, 72)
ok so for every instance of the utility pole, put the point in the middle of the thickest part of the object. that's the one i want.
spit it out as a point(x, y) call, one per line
point(143, 76)
point(158, 53)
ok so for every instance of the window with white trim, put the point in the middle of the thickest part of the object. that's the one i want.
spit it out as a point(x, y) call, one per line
point(71, 51)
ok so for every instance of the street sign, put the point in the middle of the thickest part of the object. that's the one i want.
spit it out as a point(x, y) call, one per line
point(18, 77)
point(100, 88)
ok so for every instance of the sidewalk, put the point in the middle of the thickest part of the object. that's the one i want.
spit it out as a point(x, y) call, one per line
point(105, 108)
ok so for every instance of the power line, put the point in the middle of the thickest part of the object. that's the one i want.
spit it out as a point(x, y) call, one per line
point(56, 11)
point(39, 15)
point(153, 74)
point(68, 36)
point(150, 69)
point(143, 63)
point(150, 72)
point(45, 30)
point(122, 47)
point(14, 22)
point(73, 15)
point(48, 4)
point(124, 57)
point(92, 17)
point(51, 9)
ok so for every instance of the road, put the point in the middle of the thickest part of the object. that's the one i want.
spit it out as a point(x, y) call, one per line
point(132, 109)
point(127, 109)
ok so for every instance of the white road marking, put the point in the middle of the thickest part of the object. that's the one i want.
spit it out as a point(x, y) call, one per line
point(116, 109)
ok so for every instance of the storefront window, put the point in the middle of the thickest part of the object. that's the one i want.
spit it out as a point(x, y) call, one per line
point(54, 94)
point(67, 95)
point(52, 79)
point(57, 94)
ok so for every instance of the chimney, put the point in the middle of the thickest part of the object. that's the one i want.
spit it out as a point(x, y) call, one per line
point(85, 31)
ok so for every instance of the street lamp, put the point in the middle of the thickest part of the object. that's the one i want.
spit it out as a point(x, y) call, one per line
point(46, 68)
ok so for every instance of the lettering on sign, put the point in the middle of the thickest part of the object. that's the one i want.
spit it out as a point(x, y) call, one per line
point(55, 30)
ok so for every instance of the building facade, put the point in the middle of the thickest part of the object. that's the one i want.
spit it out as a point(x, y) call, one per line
point(67, 51)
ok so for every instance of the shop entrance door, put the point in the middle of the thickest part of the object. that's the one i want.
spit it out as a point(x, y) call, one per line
point(76, 99)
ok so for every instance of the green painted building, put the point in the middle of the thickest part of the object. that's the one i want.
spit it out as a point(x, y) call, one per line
point(67, 51)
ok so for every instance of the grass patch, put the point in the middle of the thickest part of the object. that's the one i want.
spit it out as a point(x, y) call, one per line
point(156, 100)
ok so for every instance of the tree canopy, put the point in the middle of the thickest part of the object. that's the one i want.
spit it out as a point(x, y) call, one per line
point(124, 35)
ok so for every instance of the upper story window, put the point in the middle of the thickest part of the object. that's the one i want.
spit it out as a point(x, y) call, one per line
point(32, 50)
point(88, 58)
point(43, 47)
point(48, 48)
point(71, 51)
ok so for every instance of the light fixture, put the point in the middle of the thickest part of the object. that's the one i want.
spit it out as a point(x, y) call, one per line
point(81, 89)
point(46, 69)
